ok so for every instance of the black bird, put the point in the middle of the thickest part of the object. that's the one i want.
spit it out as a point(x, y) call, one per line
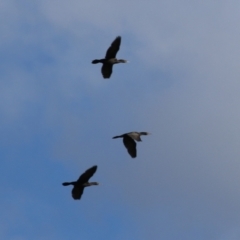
point(129, 143)
point(82, 182)
point(110, 58)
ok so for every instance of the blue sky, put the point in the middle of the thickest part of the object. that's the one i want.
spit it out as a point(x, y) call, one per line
point(58, 116)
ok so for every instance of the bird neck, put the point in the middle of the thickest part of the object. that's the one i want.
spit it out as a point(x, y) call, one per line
point(90, 184)
point(122, 61)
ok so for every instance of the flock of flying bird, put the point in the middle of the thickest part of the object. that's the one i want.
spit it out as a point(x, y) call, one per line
point(128, 138)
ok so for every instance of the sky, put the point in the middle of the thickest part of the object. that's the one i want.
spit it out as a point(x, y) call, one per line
point(58, 116)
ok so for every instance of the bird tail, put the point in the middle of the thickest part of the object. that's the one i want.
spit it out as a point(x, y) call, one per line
point(66, 183)
point(117, 137)
point(96, 61)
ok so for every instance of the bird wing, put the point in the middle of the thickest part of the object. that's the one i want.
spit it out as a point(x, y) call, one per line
point(77, 192)
point(113, 49)
point(87, 175)
point(106, 70)
point(130, 144)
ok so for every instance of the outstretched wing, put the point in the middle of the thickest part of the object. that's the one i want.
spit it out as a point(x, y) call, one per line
point(107, 70)
point(113, 49)
point(77, 192)
point(87, 175)
point(130, 144)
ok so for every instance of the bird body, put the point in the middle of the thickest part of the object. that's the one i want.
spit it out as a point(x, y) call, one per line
point(129, 141)
point(82, 182)
point(110, 58)
point(109, 61)
point(137, 135)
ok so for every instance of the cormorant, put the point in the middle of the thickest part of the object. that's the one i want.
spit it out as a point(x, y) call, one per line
point(82, 182)
point(110, 58)
point(129, 143)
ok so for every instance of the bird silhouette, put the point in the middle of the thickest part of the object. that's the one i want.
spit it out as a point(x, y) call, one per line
point(110, 58)
point(129, 141)
point(81, 183)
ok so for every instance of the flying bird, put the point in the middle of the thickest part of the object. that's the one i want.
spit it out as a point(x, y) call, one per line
point(129, 141)
point(110, 58)
point(82, 182)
